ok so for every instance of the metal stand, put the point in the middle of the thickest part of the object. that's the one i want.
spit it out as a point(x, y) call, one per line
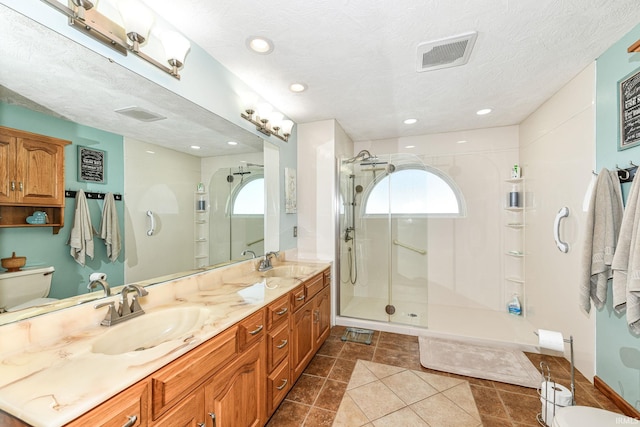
point(544, 368)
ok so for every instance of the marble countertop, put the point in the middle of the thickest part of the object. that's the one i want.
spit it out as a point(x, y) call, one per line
point(50, 373)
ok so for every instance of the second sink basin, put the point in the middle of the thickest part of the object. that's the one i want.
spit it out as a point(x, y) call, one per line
point(289, 271)
point(150, 330)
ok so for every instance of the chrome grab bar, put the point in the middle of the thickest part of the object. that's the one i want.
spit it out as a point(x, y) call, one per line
point(411, 248)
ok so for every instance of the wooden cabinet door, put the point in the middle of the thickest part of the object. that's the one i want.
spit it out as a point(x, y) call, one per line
point(236, 396)
point(39, 172)
point(301, 339)
point(321, 317)
point(188, 413)
point(129, 408)
point(7, 168)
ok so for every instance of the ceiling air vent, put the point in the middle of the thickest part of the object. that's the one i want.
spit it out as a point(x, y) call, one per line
point(140, 114)
point(444, 53)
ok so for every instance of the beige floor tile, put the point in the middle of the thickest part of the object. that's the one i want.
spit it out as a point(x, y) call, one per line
point(403, 417)
point(462, 396)
point(409, 387)
point(375, 400)
point(439, 382)
point(380, 370)
point(349, 414)
point(361, 375)
point(439, 411)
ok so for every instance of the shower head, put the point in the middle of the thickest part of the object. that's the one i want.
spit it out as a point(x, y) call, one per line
point(361, 156)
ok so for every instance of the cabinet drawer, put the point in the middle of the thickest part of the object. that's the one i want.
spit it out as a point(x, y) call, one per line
point(327, 277)
point(298, 297)
point(174, 381)
point(278, 385)
point(314, 285)
point(119, 410)
point(277, 346)
point(251, 330)
point(277, 311)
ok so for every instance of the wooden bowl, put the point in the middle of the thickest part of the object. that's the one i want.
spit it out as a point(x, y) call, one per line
point(14, 263)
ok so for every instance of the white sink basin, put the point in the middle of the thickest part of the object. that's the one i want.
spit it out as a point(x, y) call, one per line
point(150, 330)
point(289, 271)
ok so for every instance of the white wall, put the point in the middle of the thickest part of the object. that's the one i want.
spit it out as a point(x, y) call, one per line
point(558, 155)
point(164, 182)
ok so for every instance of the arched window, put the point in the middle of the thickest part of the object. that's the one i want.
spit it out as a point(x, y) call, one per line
point(415, 191)
point(249, 198)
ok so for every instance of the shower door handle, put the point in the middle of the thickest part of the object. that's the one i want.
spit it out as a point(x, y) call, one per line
point(562, 246)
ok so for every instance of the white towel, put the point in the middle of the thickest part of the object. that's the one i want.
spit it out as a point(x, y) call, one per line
point(626, 262)
point(604, 218)
point(81, 237)
point(110, 228)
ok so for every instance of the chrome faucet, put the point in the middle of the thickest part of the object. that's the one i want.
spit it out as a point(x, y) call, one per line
point(247, 251)
point(125, 310)
point(265, 264)
point(100, 282)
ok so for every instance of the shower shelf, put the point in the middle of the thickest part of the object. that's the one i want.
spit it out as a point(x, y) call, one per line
point(515, 254)
point(515, 225)
point(514, 220)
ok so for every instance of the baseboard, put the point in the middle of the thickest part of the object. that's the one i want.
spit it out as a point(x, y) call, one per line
point(624, 406)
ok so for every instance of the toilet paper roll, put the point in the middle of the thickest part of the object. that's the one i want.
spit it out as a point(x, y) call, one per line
point(552, 397)
point(550, 339)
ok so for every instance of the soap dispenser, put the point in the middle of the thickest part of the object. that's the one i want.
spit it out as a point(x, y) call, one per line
point(514, 306)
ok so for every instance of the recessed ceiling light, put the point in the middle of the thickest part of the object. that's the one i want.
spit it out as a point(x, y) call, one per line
point(259, 44)
point(150, 152)
point(410, 146)
point(462, 141)
point(298, 87)
point(232, 143)
point(410, 121)
point(483, 111)
point(195, 147)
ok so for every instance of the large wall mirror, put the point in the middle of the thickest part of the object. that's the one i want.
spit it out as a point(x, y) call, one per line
point(209, 206)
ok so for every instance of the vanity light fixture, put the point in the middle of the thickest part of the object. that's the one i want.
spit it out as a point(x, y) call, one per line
point(137, 22)
point(267, 121)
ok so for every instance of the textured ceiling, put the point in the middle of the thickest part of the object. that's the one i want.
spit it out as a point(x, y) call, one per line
point(358, 57)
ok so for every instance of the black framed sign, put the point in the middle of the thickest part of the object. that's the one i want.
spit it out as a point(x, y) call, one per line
point(629, 96)
point(91, 165)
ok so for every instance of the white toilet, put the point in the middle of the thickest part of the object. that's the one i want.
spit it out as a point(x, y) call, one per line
point(26, 288)
point(585, 416)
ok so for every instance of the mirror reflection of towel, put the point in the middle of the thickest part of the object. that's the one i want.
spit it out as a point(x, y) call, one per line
point(81, 237)
point(110, 228)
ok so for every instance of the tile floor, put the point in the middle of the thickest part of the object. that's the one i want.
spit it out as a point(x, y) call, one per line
point(315, 398)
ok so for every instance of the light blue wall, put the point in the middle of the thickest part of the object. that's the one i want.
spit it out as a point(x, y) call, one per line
point(205, 81)
point(40, 245)
point(617, 350)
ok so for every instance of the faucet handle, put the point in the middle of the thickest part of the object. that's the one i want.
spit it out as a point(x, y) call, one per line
point(112, 314)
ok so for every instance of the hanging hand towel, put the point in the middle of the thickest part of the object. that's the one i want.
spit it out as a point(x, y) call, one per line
point(110, 228)
point(626, 262)
point(604, 218)
point(81, 237)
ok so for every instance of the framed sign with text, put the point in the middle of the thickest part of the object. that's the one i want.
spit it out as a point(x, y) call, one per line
point(92, 165)
point(629, 96)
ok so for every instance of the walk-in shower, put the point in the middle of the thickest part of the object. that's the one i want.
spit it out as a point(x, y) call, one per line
point(383, 264)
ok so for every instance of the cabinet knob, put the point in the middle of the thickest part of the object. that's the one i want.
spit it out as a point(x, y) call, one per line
point(131, 422)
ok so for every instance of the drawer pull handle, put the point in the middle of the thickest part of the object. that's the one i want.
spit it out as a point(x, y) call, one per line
point(300, 298)
point(131, 422)
point(284, 342)
point(258, 329)
point(284, 384)
point(13, 186)
point(282, 311)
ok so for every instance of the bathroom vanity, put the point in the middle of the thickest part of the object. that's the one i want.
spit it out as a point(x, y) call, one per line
point(249, 336)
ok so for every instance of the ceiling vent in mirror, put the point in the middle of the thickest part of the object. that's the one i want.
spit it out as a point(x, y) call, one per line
point(447, 52)
point(140, 114)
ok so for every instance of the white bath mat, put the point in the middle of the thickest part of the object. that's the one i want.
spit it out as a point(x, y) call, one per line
point(489, 363)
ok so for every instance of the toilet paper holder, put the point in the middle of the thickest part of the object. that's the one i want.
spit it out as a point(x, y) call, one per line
point(547, 380)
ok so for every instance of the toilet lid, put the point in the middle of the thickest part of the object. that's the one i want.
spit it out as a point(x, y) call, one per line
point(585, 416)
point(31, 303)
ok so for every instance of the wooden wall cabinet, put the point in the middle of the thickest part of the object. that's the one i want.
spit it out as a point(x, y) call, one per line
point(31, 178)
point(237, 378)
